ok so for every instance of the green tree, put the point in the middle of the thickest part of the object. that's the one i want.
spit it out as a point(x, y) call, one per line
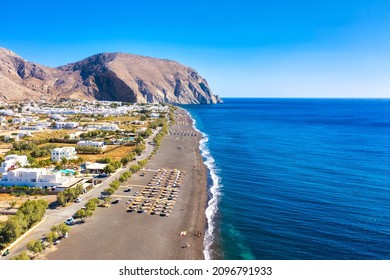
point(134, 168)
point(61, 229)
point(61, 198)
point(22, 257)
point(35, 246)
point(92, 204)
point(83, 214)
point(115, 184)
point(110, 191)
point(108, 169)
point(12, 204)
point(51, 237)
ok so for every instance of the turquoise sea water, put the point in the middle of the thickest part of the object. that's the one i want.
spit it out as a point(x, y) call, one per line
point(297, 179)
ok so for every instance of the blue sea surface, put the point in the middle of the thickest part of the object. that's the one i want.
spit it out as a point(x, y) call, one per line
point(298, 178)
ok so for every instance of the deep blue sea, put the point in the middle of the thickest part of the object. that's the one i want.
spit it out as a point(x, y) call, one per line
point(297, 178)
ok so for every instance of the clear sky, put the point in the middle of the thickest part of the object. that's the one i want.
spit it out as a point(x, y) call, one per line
point(264, 48)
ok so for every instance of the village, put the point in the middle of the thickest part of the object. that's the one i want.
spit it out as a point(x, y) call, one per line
point(50, 147)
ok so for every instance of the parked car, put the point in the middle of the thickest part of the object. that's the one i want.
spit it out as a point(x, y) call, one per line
point(79, 199)
point(128, 190)
point(116, 201)
point(69, 221)
point(5, 253)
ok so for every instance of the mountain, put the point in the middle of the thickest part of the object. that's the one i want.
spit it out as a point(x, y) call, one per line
point(104, 76)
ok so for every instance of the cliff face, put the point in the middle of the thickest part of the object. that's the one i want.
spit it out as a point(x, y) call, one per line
point(106, 76)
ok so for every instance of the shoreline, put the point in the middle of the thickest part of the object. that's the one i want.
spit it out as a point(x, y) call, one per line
point(212, 243)
point(114, 233)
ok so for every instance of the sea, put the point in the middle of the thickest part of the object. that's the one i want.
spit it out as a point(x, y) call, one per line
point(296, 179)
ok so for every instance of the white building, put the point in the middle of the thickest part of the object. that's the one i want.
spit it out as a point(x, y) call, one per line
point(12, 162)
point(104, 127)
point(68, 125)
point(154, 115)
point(9, 137)
point(34, 177)
point(33, 127)
point(58, 154)
point(90, 143)
point(19, 120)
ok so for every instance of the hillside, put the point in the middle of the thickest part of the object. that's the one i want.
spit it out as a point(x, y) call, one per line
point(105, 76)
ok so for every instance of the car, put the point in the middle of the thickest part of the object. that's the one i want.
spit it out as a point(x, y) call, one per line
point(57, 242)
point(105, 205)
point(69, 221)
point(116, 201)
point(79, 199)
point(127, 190)
point(5, 253)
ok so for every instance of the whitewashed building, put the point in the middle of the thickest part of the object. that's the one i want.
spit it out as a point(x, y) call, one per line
point(104, 127)
point(12, 162)
point(34, 177)
point(33, 127)
point(90, 143)
point(68, 125)
point(58, 154)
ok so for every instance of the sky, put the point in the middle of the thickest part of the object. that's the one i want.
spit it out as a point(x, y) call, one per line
point(264, 48)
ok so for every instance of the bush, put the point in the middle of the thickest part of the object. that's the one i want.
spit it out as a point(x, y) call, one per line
point(92, 204)
point(88, 150)
point(69, 194)
point(134, 168)
point(115, 184)
point(22, 257)
point(35, 246)
point(143, 162)
point(110, 191)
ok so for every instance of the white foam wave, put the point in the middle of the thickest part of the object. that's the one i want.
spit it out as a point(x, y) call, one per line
point(212, 206)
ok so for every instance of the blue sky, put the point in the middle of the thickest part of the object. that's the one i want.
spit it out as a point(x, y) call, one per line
point(243, 48)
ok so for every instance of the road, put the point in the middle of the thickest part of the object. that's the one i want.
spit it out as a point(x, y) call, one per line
point(59, 215)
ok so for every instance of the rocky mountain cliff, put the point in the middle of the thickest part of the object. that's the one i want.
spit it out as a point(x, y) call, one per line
point(105, 76)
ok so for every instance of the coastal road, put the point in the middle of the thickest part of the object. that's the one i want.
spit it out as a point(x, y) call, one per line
point(59, 215)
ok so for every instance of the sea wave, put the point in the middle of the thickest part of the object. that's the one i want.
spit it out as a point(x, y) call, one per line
point(215, 193)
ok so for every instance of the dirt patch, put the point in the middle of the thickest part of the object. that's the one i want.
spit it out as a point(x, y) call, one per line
point(113, 152)
point(6, 199)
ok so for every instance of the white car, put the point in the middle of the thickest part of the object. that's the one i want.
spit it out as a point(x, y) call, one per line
point(79, 199)
point(69, 221)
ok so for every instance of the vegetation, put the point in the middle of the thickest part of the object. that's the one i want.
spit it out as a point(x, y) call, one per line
point(69, 194)
point(88, 150)
point(31, 149)
point(125, 176)
point(29, 213)
point(109, 191)
point(160, 135)
point(83, 214)
point(92, 204)
point(61, 229)
point(35, 246)
point(126, 159)
point(139, 149)
point(51, 237)
point(22, 257)
point(142, 163)
point(134, 168)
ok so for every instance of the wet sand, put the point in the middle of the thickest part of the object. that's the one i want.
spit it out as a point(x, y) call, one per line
point(114, 233)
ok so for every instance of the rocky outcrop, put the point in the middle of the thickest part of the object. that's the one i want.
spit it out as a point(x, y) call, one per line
point(105, 76)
